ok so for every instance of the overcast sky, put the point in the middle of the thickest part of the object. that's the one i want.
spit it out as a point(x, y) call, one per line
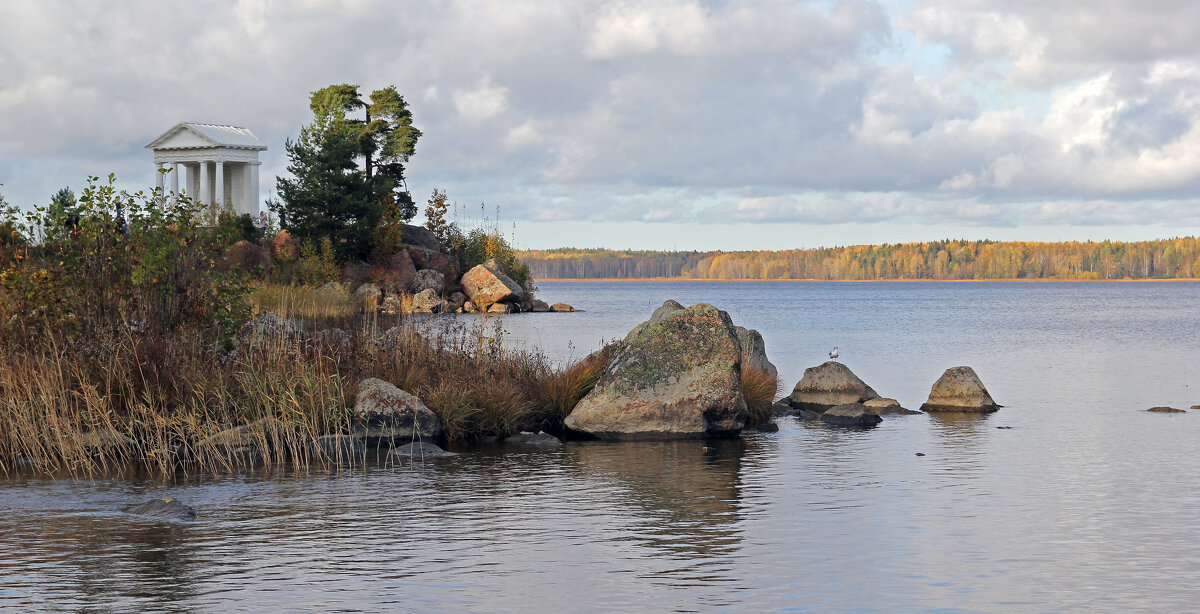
point(723, 125)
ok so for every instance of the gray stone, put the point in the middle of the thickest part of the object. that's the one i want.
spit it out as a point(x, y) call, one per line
point(540, 438)
point(782, 408)
point(850, 414)
point(539, 306)
point(456, 301)
point(959, 390)
point(668, 307)
point(677, 378)
point(426, 301)
point(383, 411)
point(392, 305)
point(419, 236)
point(428, 279)
point(754, 351)
point(419, 451)
point(166, 508)
point(884, 406)
point(829, 385)
point(767, 427)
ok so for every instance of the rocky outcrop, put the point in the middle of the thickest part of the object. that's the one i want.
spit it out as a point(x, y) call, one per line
point(1167, 410)
point(419, 236)
point(527, 438)
point(487, 283)
point(383, 411)
point(424, 258)
point(884, 406)
point(562, 308)
point(827, 386)
point(166, 508)
point(754, 351)
point(667, 308)
point(395, 275)
point(539, 306)
point(428, 279)
point(959, 390)
point(677, 378)
point(850, 414)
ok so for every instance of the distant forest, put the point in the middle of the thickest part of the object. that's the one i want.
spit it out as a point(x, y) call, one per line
point(1165, 259)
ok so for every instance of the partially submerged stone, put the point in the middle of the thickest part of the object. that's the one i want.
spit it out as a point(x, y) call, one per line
point(562, 308)
point(676, 378)
point(1167, 410)
point(166, 508)
point(827, 386)
point(487, 283)
point(540, 438)
point(383, 411)
point(539, 306)
point(419, 451)
point(959, 390)
point(850, 414)
point(884, 406)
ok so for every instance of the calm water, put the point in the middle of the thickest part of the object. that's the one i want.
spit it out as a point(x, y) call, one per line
point(1086, 503)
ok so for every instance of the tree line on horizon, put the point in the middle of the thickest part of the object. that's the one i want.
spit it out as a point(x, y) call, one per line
point(1177, 258)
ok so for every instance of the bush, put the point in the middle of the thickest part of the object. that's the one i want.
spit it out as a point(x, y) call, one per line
point(317, 264)
point(758, 389)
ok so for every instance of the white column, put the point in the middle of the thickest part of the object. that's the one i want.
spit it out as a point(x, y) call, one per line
point(204, 196)
point(248, 204)
point(158, 177)
point(219, 192)
point(252, 206)
point(175, 183)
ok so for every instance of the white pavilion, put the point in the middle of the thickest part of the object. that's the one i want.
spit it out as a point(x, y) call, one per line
point(221, 162)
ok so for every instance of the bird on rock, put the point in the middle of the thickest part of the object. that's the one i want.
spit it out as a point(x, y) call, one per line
point(834, 354)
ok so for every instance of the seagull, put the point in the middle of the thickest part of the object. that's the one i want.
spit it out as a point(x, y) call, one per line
point(834, 353)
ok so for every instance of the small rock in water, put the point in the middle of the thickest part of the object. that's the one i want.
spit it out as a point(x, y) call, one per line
point(1004, 427)
point(166, 508)
point(420, 451)
point(540, 438)
point(1196, 407)
point(920, 454)
point(1168, 410)
point(767, 427)
point(851, 414)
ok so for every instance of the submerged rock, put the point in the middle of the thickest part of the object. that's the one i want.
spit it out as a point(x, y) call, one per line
point(829, 385)
point(850, 414)
point(782, 408)
point(884, 406)
point(766, 427)
point(675, 378)
point(959, 390)
point(540, 438)
point(383, 411)
point(539, 306)
point(166, 508)
point(419, 451)
point(562, 308)
point(1167, 410)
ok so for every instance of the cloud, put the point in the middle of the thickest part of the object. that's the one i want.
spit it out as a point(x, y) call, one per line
point(931, 112)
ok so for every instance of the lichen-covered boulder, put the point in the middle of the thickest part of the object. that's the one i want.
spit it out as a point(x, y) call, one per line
point(959, 390)
point(668, 307)
point(754, 351)
point(426, 301)
point(677, 378)
point(383, 411)
point(850, 414)
point(456, 301)
point(486, 285)
point(827, 386)
point(424, 258)
point(428, 279)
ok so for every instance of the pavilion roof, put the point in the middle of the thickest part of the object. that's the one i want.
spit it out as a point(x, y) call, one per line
point(209, 135)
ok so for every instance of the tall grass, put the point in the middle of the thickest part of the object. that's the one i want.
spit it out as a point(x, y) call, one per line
point(293, 301)
point(758, 389)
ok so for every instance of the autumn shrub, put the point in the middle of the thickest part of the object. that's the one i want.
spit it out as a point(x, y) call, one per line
point(759, 388)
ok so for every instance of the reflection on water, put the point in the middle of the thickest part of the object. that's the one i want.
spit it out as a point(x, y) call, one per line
point(1084, 503)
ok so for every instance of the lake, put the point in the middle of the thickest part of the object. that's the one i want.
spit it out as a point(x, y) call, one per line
point(1085, 502)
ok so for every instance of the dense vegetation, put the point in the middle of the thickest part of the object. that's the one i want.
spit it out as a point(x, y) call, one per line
point(948, 260)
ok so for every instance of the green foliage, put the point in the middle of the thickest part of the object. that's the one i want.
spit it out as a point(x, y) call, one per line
point(435, 221)
point(328, 196)
point(231, 228)
point(481, 245)
point(126, 260)
point(317, 264)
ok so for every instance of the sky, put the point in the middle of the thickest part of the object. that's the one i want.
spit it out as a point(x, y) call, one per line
point(658, 125)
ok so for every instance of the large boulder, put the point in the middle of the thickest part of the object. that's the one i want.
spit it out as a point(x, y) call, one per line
point(754, 351)
point(668, 307)
point(419, 236)
point(677, 378)
point(850, 414)
point(395, 275)
point(424, 258)
point(827, 386)
point(429, 279)
point(486, 285)
point(383, 411)
point(959, 390)
point(427, 301)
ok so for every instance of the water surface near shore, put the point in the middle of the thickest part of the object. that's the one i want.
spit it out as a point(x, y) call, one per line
point(1085, 503)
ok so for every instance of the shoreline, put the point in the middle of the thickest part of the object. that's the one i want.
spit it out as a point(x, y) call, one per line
point(860, 281)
